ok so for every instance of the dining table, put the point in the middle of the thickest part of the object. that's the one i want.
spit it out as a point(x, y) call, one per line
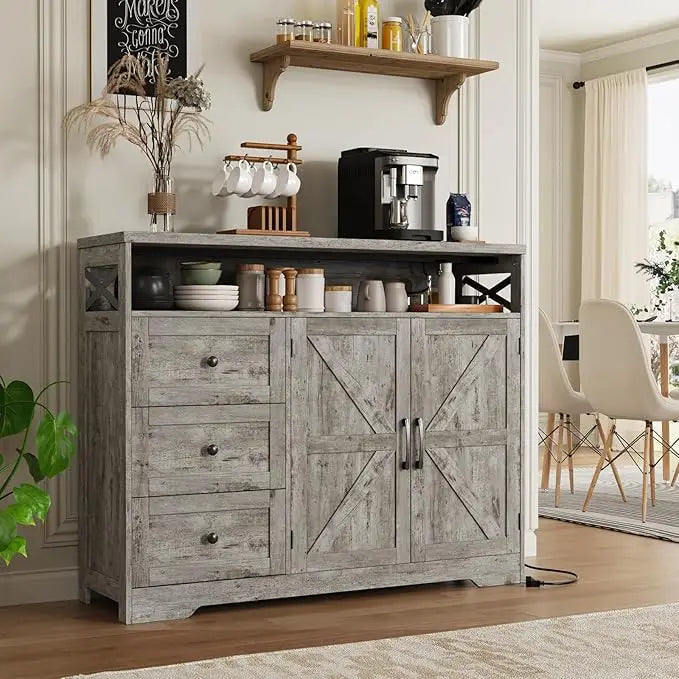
point(663, 330)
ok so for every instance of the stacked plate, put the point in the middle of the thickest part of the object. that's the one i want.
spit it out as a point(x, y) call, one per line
point(206, 297)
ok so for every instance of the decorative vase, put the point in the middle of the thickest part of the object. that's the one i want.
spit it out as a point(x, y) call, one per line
point(162, 203)
point(672, 305)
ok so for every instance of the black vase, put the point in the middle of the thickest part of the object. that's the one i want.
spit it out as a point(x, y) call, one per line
point(152, 290)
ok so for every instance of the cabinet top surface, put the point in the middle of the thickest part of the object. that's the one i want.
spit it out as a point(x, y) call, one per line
point(336, 245)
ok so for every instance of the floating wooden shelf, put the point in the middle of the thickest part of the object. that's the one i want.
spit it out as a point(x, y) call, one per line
point(448, 73)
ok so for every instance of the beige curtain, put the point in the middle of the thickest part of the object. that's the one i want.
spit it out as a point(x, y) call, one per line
point(615, 214)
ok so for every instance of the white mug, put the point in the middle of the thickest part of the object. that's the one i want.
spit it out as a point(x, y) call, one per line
point(219, 189)
point(397, 297)
point(288, 183)
point(264, 181)
point(239, 181)
point(250, 193)
point(371, 296)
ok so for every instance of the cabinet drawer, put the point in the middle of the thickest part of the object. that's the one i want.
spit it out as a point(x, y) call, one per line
point(198, 538)
point(207, 361)
point(208, 449)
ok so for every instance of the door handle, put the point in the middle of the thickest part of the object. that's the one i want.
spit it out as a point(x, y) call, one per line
point(419, 449)
point(405, 463)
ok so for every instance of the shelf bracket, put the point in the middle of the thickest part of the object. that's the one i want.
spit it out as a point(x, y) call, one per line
point(445, 89)
point(273, 70)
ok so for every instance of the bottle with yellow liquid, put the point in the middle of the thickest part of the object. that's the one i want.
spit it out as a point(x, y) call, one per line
point(367, 17)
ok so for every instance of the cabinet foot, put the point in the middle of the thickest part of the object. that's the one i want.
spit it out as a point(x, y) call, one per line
point(496, 579)
point(85, 595)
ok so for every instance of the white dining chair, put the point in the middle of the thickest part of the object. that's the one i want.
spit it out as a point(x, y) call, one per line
point(556, 395)
point(616, 376)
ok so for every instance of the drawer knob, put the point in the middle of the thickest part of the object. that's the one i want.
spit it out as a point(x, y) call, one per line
point(212, 538)
point(212, 449)
point(212, 361)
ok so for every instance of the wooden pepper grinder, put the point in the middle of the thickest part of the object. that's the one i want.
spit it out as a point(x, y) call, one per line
point(290, 299)
point(274, 301)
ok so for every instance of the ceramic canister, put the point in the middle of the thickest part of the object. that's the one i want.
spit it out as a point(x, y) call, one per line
point(338, 298)
point(311, 290)
point(396, 296)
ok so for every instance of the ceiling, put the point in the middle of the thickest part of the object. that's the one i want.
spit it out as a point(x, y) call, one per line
point(583, 25)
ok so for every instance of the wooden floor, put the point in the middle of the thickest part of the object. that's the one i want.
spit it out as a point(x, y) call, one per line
point(617, 571)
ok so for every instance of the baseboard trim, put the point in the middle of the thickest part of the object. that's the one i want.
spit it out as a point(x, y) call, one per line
point(33, 587)
point(530, 543)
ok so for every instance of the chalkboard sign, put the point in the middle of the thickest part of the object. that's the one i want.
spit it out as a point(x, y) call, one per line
point(143, 28)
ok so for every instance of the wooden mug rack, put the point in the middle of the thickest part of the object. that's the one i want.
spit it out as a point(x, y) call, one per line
point(271, 220)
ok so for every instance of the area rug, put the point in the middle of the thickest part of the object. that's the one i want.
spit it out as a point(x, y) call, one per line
point(607, 510)
point(640, 643)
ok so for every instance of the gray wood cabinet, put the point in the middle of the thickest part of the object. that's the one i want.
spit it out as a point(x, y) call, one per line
point(405, 437)
point(242, 456)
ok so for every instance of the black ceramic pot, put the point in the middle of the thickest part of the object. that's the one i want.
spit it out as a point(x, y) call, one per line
point(152, 290)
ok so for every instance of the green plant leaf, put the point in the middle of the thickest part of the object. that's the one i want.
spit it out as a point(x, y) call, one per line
point(55, 443)
point(16, 546)
point(16, 408)
point(21, 513)
point(34, 467)
point(8, 529)
point(36, 500)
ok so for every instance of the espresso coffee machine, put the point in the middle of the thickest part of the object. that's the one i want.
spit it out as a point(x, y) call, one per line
point(387, 193)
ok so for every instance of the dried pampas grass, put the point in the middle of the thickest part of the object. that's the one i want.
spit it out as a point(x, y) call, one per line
point(155, 124)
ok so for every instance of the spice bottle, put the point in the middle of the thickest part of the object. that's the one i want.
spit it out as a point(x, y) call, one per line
point(285, 30)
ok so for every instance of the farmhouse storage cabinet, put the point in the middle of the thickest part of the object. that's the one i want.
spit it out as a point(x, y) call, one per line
point(230, 457)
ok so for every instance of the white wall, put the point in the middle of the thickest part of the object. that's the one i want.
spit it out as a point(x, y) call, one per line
point(561, 154)
point(55, 191)
point(658, 48)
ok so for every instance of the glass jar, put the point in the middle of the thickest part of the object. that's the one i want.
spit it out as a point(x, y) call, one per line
point(392, 34)
point(420, 41)
point(317, 32)
point(285, 30)
point(346, 22)
point(251, 286)
point(162, 203)
point(325, 33)
point(304, 30)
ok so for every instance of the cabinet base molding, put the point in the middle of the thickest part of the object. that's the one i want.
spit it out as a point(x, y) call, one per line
point(176, 602)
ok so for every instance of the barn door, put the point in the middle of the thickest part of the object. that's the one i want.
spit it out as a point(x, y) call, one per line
point(466, 410)
point(350, 495)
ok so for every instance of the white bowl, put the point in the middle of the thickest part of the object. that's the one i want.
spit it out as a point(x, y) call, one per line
point(463, 233)
point(204, 296)
point(206, 304)
point(206, 289)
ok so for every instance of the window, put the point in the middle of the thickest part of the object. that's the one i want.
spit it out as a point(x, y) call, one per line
point(663, 157)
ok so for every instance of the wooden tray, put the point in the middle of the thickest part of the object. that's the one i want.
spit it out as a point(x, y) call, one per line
point(262, 232)
point(463, 308)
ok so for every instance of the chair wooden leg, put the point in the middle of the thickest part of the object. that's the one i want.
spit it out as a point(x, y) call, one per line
point(676, 475)
point(644, 486)
point(651, 462)
point(609, 456)
point(608, 441)
point(569, 444)
point(559, 462)
point(547, 456)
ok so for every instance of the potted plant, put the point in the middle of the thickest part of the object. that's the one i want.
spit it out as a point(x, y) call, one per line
point(663, 269)
point(53, 446)
point(450, 26)
point(155, 123)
